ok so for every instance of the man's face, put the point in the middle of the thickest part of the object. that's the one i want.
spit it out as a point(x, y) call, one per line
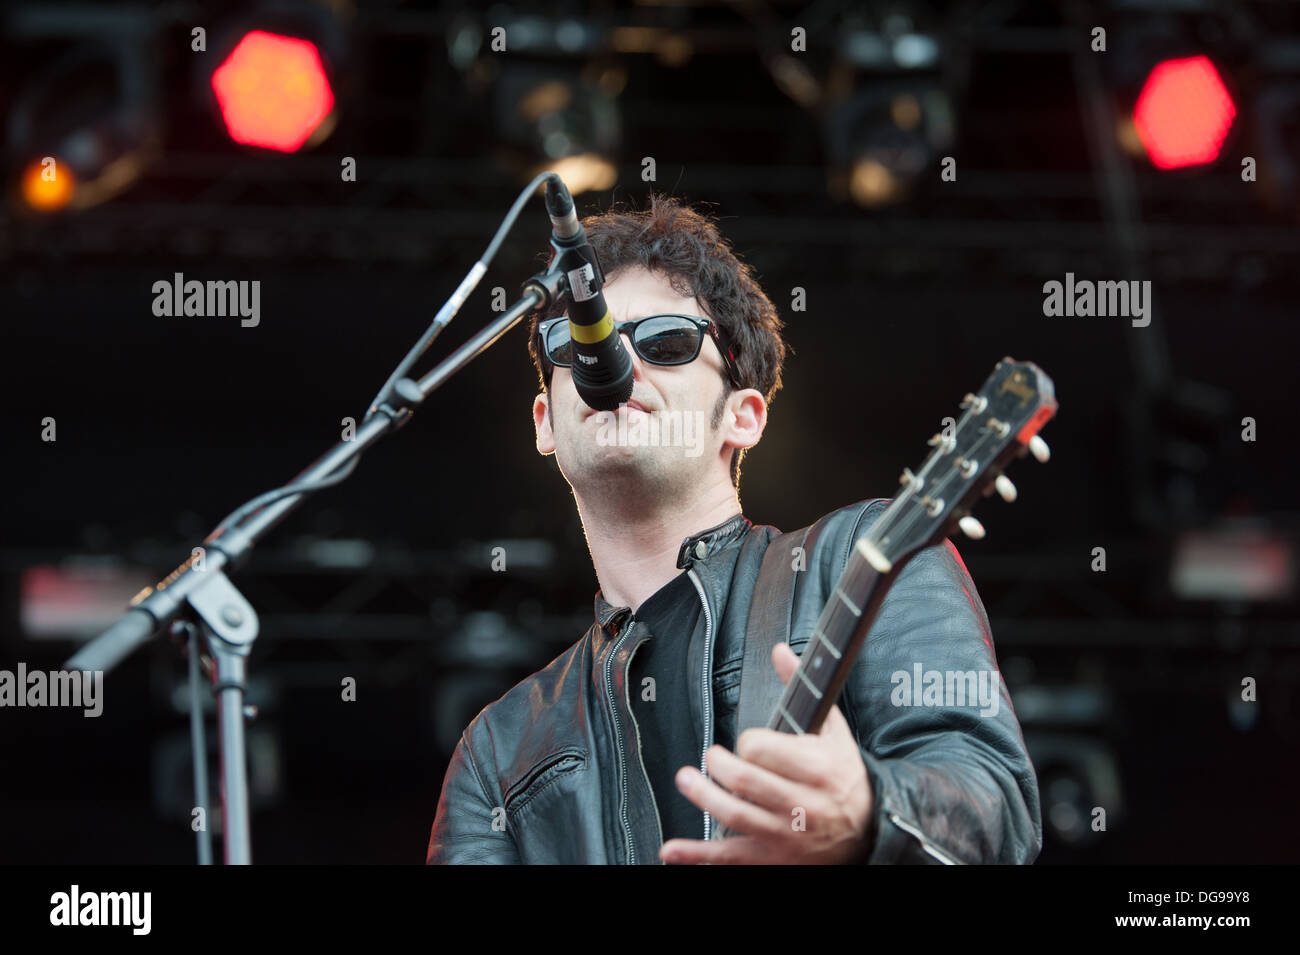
point(675, 440)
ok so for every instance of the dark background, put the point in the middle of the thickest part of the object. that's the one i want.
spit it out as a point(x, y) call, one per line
point(1125, 686)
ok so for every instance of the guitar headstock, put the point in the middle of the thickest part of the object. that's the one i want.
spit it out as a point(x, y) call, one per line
point(998, 423)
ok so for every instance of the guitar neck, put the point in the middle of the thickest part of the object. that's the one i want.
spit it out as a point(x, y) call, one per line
point(840, 632)
point(834, 644)
point(998, 424)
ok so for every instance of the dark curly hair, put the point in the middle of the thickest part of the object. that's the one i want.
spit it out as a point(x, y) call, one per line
point(684, 245)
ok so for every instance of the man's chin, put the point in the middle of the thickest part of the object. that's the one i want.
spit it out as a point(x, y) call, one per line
point(629, 466)
point(621, 458)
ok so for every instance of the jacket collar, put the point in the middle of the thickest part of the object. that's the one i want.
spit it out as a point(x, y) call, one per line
point(698, 547)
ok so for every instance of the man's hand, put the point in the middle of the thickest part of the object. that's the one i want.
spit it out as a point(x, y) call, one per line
point(788, 798)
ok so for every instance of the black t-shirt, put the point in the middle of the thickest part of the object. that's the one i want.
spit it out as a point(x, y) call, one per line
point(669, 737)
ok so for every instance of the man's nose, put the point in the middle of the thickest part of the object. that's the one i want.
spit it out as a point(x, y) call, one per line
point(625, 338)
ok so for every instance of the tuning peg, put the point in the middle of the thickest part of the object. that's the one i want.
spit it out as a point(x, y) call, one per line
point(1005, 488)
point(1039, 449)
point(971, 527)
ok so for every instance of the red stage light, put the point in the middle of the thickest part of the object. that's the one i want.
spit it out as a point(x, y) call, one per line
point(272, 91)
point(1183, 113)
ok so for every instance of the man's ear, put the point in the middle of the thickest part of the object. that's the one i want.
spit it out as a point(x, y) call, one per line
point(745, 419)
point(542, 424)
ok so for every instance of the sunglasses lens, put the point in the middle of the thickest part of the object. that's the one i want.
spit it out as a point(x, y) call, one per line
point(558, 349)
point(662, 340)
point(668, 340)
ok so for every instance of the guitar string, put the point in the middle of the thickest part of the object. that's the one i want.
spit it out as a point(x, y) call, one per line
point(944, 482)
point(885, 526)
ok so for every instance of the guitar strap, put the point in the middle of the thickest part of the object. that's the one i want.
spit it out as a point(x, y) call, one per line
point(770, 611)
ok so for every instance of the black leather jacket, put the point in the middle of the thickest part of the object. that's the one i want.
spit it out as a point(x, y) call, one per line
point(552, 771)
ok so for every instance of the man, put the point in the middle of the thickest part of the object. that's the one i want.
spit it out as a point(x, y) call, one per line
point(623, 749)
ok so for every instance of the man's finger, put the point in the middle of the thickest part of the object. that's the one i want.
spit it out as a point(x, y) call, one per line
point(800, 759)
point(835, 723)
point(785, 661)
point(754, 783)
point(735, 813)
point(734, 850)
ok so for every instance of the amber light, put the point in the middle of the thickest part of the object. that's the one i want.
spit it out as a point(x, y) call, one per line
point(48, 187)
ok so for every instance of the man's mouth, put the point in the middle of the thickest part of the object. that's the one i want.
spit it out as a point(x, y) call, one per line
point(630, 405)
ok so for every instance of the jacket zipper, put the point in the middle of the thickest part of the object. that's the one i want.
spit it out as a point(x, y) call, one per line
point(926, 844)
point(622, 759)
point(659, 826)
point(707, 687)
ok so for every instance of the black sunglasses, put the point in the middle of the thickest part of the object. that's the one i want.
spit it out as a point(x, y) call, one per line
point(658, 339)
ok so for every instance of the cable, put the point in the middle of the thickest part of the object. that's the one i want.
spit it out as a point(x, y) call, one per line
point(246, 510)
point(471, 279)
point(448, 311)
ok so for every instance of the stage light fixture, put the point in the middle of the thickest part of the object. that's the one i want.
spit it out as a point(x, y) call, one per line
point(273, 91)
point(562, 117)
point(85, 127)
point(883, 137)
point(1183, 113)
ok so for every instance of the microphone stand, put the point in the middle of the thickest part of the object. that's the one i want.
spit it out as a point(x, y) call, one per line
point(199, 594)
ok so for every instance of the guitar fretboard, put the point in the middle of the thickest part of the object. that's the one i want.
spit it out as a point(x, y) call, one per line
point(821, 672)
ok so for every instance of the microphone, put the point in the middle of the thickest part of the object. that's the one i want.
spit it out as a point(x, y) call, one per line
point(602, 368)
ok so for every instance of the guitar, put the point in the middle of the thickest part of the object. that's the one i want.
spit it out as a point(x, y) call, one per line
point(998, 424)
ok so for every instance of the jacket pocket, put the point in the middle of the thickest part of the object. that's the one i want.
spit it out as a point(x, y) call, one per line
point(553, 767)
point(726, 683)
